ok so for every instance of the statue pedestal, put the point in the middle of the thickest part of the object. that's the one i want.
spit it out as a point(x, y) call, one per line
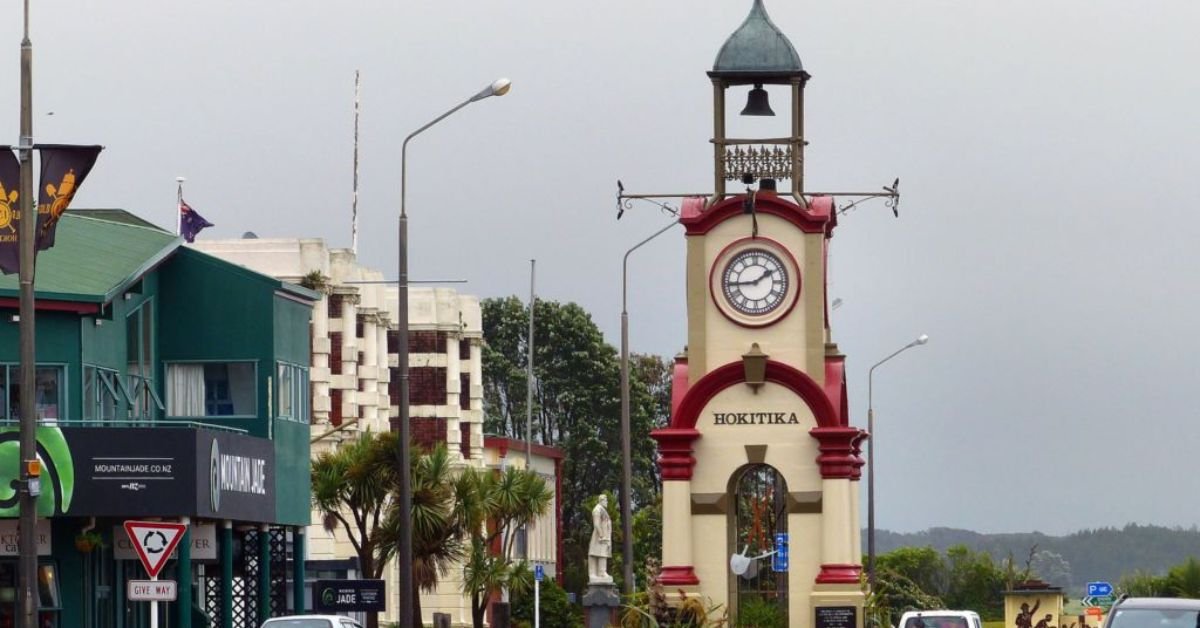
point(600, 604)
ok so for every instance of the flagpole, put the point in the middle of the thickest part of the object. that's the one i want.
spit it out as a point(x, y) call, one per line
point(29, 471)
point(179, 206)
point(354, 202)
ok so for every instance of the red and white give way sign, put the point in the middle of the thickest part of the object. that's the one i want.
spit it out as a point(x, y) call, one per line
point(154, 541)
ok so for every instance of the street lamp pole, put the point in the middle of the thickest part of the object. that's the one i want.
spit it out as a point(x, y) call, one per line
point(922, 339)
point(626, 454)
point(404, 554)
point(27, 252)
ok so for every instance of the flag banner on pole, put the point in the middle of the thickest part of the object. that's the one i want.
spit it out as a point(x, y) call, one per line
point(64, 167)
point(10, 182)
point(190, 222)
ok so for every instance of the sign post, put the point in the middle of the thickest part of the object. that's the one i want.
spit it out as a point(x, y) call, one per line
point(539, 574)
point(779, 562)
point(154, 541)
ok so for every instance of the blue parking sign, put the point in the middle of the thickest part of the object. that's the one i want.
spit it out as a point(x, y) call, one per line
point(779, 561)
point(1099, 588)
point(539, 573)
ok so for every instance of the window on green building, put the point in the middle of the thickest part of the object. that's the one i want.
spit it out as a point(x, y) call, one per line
point(139, 388)
point(48, 392)
point(291, 392)
point(211, 389)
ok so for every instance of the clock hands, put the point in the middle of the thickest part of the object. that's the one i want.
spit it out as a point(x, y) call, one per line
point(766, 273)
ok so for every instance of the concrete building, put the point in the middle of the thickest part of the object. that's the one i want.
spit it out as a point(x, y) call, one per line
point(354, 347)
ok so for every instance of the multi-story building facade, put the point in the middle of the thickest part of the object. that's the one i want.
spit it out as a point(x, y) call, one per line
point(171, 385)
point(354, 348)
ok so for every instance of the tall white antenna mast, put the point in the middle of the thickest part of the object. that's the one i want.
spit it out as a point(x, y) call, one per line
point(354, 201)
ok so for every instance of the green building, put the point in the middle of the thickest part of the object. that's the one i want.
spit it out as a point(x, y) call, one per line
point(171, 386)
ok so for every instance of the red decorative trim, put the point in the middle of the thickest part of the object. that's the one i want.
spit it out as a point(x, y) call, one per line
point(679, 382)
point(49, 305)
point(857, 444)
point(812, 220)
point(504, 444)
point(767, 319)
point(723, 377)
point(837, 459)
point(840, 574)
point(675, 458)
point(835, 387)
point(678, 575)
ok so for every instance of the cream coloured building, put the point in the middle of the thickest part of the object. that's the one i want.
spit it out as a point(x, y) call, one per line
point(354, 349)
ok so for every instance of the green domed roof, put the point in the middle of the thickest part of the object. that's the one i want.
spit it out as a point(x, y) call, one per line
point(757, 47)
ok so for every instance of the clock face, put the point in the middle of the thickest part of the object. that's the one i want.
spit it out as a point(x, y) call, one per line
point(755, 282)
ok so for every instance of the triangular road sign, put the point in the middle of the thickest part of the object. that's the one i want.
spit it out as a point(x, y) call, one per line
point(154, 541)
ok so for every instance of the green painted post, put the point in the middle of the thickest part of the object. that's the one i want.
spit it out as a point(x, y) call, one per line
point(227, 574)
point(298, 569)
point(183, 600)
point(264, 573)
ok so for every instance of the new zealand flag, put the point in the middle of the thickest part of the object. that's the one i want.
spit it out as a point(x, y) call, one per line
point(190, 222)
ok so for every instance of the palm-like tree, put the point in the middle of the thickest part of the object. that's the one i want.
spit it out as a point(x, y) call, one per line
point(437, 524)
point(351, 489)
point(492, 507)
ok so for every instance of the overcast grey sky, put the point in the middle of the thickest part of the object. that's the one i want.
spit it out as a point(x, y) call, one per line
point(1048, 153)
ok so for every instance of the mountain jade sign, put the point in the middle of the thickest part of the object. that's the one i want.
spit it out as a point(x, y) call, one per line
point(146, 472)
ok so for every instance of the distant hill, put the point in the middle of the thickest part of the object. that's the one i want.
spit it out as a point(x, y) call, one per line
point(1100, 554)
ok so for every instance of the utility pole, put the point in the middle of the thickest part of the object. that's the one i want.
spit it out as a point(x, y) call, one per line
point(27, 544)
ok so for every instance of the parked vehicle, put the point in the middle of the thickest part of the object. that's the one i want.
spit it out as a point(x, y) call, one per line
point(1153, 612)
point(317, 621)
point(943, 619)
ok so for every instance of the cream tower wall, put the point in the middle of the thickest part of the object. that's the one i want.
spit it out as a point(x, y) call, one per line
point(798, 339)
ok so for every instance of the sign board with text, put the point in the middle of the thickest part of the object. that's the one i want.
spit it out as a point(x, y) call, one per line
point(836, 617)
point(338, 596)
point(10, 539)
point(204, 543)
point(151, 590)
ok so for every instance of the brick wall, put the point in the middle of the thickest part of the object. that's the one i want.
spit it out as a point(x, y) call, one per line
point(335, 352)
point(427, 432)
point(426, 342)
point(335, 407)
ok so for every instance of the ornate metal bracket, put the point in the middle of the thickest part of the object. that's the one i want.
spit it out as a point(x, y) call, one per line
point(891, 194)
point(625, 201)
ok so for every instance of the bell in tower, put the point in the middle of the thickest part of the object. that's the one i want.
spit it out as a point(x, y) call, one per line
point(758, 54)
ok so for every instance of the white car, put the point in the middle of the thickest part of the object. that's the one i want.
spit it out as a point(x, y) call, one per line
point(940, 619)
point(311, 621)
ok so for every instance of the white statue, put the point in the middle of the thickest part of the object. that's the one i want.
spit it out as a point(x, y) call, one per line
point(600, 547)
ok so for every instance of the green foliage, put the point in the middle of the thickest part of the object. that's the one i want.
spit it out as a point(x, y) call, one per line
point(895, 593)
point(755, 612)
point(974, 581)
point(493, 506)
point(556, 609)
point(650, 608)
point(1143, 584)
point(1183, 580)
point(576, 407)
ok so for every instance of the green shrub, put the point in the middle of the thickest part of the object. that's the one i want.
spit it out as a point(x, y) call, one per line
point(556, 610)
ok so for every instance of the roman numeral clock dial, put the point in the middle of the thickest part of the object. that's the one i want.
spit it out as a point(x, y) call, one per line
point(755, 282)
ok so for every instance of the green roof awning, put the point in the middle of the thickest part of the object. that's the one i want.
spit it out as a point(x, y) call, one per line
point(95, 257)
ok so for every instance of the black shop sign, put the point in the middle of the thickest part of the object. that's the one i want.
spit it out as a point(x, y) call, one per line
point(349, 596)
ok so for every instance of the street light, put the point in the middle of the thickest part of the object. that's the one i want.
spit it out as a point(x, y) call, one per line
point(404, 555)
point(922, 339)
point(626, 455)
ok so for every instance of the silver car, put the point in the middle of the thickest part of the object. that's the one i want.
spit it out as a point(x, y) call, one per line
point(318, 621)
point(1154, 612)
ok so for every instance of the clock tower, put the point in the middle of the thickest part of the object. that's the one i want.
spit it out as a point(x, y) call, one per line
point(760, 464)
